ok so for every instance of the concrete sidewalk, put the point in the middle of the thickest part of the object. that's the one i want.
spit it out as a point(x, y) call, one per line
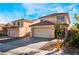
point(4, 38)
point(32, 51)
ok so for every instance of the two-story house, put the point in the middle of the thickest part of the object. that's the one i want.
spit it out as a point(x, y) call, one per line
point(46, 28)
point(18, 28)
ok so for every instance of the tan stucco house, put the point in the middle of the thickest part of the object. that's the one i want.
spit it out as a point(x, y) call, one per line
point(46, 28)
point(3, 30)
point(19, 28)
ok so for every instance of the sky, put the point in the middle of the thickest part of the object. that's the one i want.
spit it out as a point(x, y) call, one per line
point(14, 11)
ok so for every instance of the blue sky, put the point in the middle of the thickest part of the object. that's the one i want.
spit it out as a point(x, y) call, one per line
point(14, 11)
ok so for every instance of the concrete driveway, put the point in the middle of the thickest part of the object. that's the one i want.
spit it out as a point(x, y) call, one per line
point(28, 42)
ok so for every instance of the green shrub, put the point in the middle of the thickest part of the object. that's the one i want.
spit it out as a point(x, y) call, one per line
point(74, 42)
point(71, 33)
point(72, 39)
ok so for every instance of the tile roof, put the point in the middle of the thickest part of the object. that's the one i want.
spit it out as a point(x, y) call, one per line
point(47, 23)
point(54, 14)
point(43, 23)
point(25, 20)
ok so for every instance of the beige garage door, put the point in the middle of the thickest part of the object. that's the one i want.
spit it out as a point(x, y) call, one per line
point(45, 33)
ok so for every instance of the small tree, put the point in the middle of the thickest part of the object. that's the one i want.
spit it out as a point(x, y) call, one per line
point(74, 39)
point(59, 32)
point(76, 17)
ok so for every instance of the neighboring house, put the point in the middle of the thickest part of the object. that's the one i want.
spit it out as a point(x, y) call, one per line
point(19, 28)
point(36, 21)
point(46, 28)
point(3, 30)
point(1, 26)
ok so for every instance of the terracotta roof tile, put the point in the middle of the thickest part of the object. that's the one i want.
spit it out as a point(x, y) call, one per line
point(54, 14)
point(25, 20)
point(46, 23)
point(43, 23)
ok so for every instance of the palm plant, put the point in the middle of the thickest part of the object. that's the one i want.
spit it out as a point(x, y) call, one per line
point(76, 17)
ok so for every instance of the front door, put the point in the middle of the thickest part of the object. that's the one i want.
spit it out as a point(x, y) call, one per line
point(60, 33)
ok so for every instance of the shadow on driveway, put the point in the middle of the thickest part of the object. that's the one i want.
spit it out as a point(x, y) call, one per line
point(20, 43)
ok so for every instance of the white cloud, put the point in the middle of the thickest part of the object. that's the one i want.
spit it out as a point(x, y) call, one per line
point(32, 8)
point(29, 8)
point(71, 10)
point(39, 8)
point(17, 13)
point(74, 10)
point(70, 7)
point(9, 16)
point(59, 9)
point(4, 18)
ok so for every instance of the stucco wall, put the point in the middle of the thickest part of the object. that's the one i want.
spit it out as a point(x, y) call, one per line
point(26, 26)
point(50, 18)
point(54, 19)
point(1, 28)
point(23, 31)
point(20, 31)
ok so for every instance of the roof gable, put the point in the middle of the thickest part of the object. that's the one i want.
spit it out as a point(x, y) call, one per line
point(54, 14)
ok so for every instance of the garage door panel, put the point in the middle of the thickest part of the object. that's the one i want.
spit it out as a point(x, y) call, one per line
point(43, 35)
point(46, 33)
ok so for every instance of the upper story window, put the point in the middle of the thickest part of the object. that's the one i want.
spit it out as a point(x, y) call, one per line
point(60, 19)
point(18, 23)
